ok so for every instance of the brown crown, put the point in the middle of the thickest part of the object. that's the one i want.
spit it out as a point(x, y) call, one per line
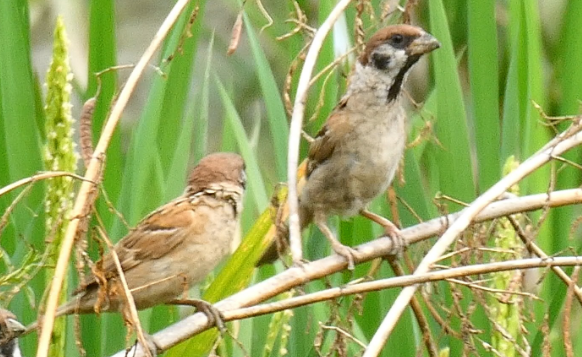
point(385, 34)
point(215, 168)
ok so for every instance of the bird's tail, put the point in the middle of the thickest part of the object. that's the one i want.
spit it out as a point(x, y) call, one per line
point(280, 244)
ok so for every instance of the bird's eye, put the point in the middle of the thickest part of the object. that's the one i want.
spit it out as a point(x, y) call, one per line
point(397, 39)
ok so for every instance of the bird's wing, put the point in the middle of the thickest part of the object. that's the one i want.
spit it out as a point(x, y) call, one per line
point(154, 237)
point(328, 138)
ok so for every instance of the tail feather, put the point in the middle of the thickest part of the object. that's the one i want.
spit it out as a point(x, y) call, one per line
point(281, 243)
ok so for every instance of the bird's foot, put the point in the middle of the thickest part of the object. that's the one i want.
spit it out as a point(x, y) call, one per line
point(151, 346)
point(345, 252)
point(398, 242)
point(390, 230)
point(337, 247)
point(213, 314)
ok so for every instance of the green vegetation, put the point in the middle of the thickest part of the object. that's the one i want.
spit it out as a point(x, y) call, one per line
point(480, 95)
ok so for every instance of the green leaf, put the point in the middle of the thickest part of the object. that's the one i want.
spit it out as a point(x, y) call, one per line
point(273, 103)
point(257, 189)
point(483, 78)
point(456, 174)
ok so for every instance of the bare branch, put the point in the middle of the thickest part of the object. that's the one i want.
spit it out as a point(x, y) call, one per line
point(38, 177)
point(560, 144)
point(380, 247)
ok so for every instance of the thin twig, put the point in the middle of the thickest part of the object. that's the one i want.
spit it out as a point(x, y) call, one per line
point(331, 66)
point(6, 215)
point(442, 322)
point(267, 16)
point(342, 332)
point(565, 141)
point(476, 286)
point(297, 124)
point(298, 276)
point(129, 301)
point(533, 248)
point(39, 177)
point(567, 313)
point(92, 174)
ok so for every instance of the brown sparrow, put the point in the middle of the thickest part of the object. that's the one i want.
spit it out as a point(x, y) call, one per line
point(10, 329)
point(356, 153)
point(175, 246)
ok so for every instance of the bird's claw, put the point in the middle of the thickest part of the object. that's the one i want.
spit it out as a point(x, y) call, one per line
point(213, 314)
point(345, 252)
point(151, 345)
point(398, 242)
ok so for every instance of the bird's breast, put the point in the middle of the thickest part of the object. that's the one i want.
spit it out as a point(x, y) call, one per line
point(362, 165)
point(374, 154)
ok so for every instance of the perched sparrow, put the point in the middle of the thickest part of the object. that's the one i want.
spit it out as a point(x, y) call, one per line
point(10, 329)
point(354, 156)
point(175, 246)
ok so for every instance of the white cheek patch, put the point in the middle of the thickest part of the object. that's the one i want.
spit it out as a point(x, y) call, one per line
point(399, 58)
point(368, 77)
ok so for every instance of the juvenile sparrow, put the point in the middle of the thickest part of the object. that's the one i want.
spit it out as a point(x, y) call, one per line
point(175, 246)
point(10, 329)
point(354, 156)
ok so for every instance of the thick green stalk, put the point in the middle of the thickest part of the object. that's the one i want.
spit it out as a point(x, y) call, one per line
point(59, 154)
point(506, 308)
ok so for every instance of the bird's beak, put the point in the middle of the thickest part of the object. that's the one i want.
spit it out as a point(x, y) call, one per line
point(423, 44)
point(15, 327)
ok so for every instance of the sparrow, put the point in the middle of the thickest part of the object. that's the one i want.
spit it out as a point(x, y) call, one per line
point(354, 157)
point(175, 246)
point(10, 329)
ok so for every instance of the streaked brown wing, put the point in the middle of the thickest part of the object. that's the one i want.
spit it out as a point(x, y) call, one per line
point(154, 237)
point(327, 139)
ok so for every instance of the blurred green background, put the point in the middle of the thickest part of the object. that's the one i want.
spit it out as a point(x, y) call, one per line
point(473, 108)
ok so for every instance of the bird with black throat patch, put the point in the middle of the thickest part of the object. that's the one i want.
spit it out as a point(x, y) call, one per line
point(355, 155)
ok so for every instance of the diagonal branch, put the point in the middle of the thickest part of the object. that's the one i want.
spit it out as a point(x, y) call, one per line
point(560, 144)
point(400, 281)
point(380, 247)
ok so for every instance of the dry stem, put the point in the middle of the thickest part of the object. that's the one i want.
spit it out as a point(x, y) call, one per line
point(380, 247)
point(92, 174)
point(297, 124)
point(560, 144)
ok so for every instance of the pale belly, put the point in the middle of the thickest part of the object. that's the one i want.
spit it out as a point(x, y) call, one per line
point(171, 276)
point(356, 174)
